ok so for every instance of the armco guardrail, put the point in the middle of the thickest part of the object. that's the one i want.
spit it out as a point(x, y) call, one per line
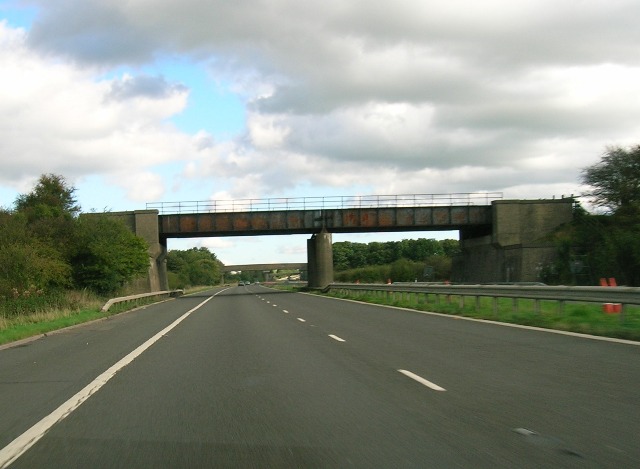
point(618, 295)
point(112, 301)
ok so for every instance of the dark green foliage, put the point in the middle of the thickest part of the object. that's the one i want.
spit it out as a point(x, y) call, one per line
point(597, 246)
point(50, 210)
point(439, 267)
point(400, 261)
point(26, 262)
point(348, 255)
point(107, 254)
point(51, 197)
point(402, 270)
point(450, 247)
point(46, 247)
point(603, 246)
point(31, 300)
point(615, 179)
point(195, 266)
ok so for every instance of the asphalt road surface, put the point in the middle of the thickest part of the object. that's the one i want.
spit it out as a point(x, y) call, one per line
point(252, 377)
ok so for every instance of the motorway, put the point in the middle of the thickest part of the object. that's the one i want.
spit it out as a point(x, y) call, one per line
point(252, 377)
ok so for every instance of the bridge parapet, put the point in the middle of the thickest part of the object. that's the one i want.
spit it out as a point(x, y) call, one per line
point(326, 203)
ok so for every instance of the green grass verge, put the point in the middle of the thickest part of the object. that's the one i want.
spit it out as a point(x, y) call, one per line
point(80, 307)
point(48, 320)
point(32, 326)
point(586, 318)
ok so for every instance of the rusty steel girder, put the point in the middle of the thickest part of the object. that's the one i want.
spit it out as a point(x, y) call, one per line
point(352, 220)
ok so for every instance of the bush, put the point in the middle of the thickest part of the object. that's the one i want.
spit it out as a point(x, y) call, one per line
point(108, 255)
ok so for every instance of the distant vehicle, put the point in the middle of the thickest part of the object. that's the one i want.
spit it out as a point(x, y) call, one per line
point(241, 283)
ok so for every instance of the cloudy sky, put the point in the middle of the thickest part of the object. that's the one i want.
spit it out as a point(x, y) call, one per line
point(160, 100)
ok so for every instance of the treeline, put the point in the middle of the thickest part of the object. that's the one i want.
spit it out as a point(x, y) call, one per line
point(193, 267)
point(46, 248)
point(596, 246)
point(401, 261)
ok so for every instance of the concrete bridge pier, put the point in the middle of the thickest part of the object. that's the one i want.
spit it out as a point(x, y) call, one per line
point(320, 259)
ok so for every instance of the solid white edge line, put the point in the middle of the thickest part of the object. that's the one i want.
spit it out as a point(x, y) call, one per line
point(421, 380)
point(302, 320)
point(335, 337)
point(21, 444)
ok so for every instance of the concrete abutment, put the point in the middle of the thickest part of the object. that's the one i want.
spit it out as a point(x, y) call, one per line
point(144, 223)
point(519, 244)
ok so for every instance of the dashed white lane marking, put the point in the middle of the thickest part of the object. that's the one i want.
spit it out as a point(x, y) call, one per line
point(275, 306)
point(335, 337)
point(421, 380)
point(20, 445)
point(302, 320)
point(285, 311)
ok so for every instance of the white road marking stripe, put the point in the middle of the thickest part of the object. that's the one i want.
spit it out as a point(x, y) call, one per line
point(285, 311)
point(275, 306)
point(302, 320)
point(421, 380)
point(21, 444)
point(335, 337)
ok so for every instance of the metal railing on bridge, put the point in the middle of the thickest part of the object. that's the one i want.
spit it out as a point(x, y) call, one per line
point(325, 203)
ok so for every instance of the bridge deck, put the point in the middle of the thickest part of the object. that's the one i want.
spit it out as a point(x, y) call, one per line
point(264, 267)
point(353, 220)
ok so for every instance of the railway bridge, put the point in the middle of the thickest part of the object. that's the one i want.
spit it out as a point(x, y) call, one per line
point(501, 240)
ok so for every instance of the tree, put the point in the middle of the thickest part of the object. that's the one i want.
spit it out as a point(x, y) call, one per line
point(26, 262)
point(107, 255)
point(51, 197)
point(615, 179)
point(450, 247)
point(50, 210)
point(195, 266)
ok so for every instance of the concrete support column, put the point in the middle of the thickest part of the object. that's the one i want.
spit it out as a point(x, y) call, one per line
point(312, 264)
point(320, 259)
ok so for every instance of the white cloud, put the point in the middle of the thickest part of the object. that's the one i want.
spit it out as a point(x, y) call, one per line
point(266, 131)
point(57, 117)
point(140, 186)
point(418, 96)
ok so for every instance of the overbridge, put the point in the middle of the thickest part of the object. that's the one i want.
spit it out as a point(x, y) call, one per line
point(265, 267)
point(501, 240)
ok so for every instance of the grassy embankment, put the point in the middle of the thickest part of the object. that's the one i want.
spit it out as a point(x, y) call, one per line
point(586, 318)
point(19, 320)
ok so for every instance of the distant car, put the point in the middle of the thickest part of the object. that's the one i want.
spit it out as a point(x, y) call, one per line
point(241, 284)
